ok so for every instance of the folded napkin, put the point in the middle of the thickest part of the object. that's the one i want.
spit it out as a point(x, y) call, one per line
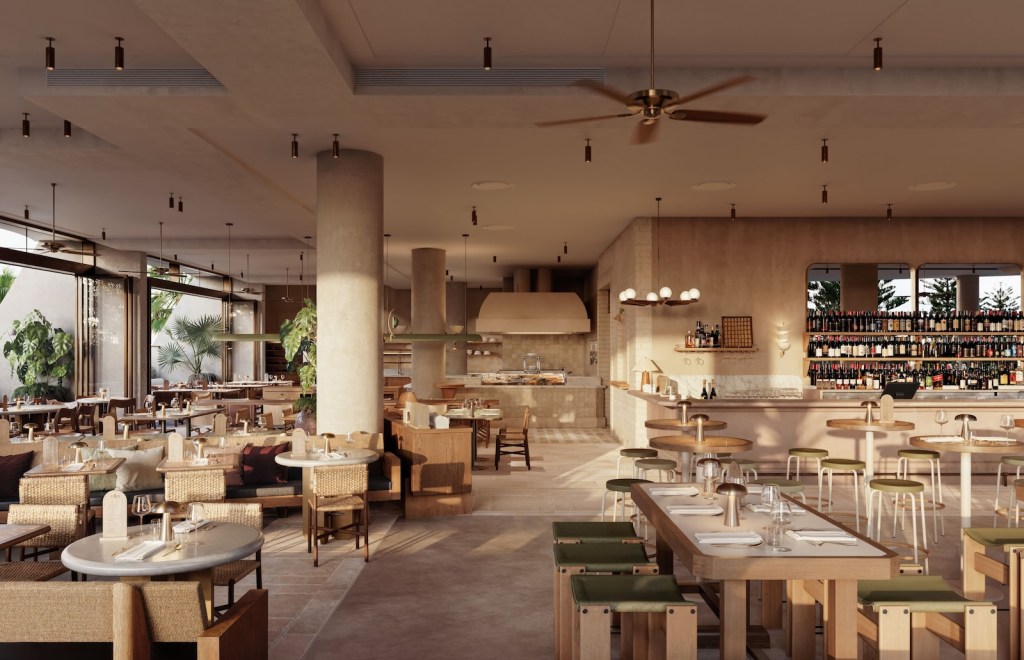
point(186, 526)
point(764, 508)
point(942, 438)
point(823, 536)
point(458, 411)
point(333, 456)
point(695, 509)
point(675, 490)
point(716, 538)
point(73, 467)
point(142, 551)
point(488, 412)
point(754, 489)
point(200, 461)
point(993, 438)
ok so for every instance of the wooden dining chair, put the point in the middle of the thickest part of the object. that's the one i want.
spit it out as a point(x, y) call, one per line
point(84, 418)
point(338, 489)
point(514, 442)
point(65, 489)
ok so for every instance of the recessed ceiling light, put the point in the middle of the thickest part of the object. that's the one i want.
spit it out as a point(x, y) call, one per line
point(705, 186)
point(492, 185)
point(932, 186)
point(497, 227)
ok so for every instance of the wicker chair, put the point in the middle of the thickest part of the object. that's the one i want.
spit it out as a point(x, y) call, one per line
point(227, 575)
point(63, 489)
point(31, 571)
point(64, 523)
point(194, 486)
point(338, 488)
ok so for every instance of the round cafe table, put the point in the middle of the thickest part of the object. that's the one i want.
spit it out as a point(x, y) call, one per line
point(687, 445)
point(966, 451)
point(869, 428)
point(308, 461)
point(679, 426)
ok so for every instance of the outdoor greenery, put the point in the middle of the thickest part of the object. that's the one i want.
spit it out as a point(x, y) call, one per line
point(824, 295)
point(7, 278)
point(940, 292)
point(41, 357)
point(1002, 299)
point(191, 344)
point(162, 303)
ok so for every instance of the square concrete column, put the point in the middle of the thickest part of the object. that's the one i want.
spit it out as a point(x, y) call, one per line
point(428, 317)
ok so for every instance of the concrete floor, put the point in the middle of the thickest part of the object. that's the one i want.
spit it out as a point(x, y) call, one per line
point(479, 586)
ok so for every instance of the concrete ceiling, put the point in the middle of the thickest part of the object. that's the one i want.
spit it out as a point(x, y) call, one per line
point(948, 107)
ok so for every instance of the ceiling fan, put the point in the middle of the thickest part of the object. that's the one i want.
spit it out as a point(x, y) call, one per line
point(653, 104)
point(172, 269)
point(53, 246)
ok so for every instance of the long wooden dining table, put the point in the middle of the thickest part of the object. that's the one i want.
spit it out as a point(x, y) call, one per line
point(838, 566)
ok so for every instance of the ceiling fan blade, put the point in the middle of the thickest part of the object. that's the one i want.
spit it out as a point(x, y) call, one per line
point(605, 90)
point(645, 132)
point(580, 120)
point(725, 84)
point(717, 117)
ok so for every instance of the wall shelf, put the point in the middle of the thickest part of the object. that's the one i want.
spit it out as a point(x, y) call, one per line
point(679, 348)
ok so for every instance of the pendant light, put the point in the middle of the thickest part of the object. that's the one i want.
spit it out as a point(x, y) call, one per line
point(335, 147)
point(732, 212)
point(231, 280)
point(295, 145)
point(170, 202)
point(51, 55)
point(664, 295)
point(587, 153)
point(26, 126)
point(119, 55)
point(181, 205)
point(565, 248)
point(103, 234)
point(878, 54)
point(26, 212)
point(494, 259)
point(473, 216)
point(824, 194)
point(67, 128)
point(487, 53)
point(824, 150)
point(888, 212)
point(465, 279)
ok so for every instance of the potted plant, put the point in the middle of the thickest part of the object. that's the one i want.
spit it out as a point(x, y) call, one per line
point(41, 357)
point(298, 336)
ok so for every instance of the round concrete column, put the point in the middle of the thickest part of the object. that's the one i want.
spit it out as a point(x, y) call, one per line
point(349, 242)
point(428, 317)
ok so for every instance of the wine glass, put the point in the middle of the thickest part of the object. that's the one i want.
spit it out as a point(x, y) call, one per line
point(141, 505)
point(711, 470)
point(1006, 422)
point(196, 515)
point(941, 417)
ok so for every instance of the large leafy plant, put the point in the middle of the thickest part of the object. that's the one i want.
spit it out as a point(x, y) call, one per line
point(7, 278)
point(191, 344)
point(40, 356)
point(298, 336)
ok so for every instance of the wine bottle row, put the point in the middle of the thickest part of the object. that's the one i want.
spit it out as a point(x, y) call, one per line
point(704, 337)
point(928, 375)
point(878, 321)
point(910, 346)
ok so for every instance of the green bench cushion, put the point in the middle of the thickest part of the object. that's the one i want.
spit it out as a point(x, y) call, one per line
point(996, 537)
point(601, 557)
point(592, 532)
point(921, 593)
point(628, 593)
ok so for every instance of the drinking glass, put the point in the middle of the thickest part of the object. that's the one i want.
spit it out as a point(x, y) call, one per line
point(711, 470)
point(769, 495)
point(941, 418)
point(141, 505)
point(1006, 422)
point(775, 535)
point(196, 515)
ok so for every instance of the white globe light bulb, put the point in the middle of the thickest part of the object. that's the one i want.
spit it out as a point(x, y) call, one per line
point(695, 294)
point(622, 296)
point(685, 296)
point(652, 297)
point(630, 294)
point(665, 292)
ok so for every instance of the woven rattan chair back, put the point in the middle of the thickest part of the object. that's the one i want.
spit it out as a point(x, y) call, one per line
point(63, 519)
point(194, 486)
point(174, 610)
point(240, 513)
point(59, 611)
point(338, 480)
point(70, 489)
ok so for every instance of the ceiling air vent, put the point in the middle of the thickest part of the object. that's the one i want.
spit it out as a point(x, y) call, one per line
point(131, 78)
point(368, 78)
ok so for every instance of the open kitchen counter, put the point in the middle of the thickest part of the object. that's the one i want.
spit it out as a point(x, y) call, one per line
point(578, 403)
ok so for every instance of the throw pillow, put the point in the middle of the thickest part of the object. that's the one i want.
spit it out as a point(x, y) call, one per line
point(231, 477)
point(102, 482)
point(259, 467)
point(12, 468)
point(138, 472)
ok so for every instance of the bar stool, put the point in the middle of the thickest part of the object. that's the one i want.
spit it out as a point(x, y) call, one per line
point(1004, 570)
point(660, 465)
point(579, 558)
point(810, 453)
point(746, 467)
point(1012, 462)
point(935, 472)
point(593, 532)
point(786, 486)
point(851, 465)
point(619, 486)
point(654, 614)
point(899, 488)
point(634, 453)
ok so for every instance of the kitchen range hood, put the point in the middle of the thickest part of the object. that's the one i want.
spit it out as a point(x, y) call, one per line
point(533, 313)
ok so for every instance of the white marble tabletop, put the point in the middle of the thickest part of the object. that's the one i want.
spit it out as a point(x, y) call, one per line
point(311, 460)
point(218, 544)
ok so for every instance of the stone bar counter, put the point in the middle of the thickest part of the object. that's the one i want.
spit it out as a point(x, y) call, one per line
point(579, 403)
point(776, 425)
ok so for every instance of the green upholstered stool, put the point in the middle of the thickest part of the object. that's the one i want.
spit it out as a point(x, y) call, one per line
point(593, 532)
point(918, 603)
point(935, 472)
point(579, 558)
point(634, 453)
point(1010, 462)
point(977, 566)
point(851, 465)
point(619, 486)
point(799, 453)
point(745, 467)
point(662, 465)
point(657, 622)
point(786, 486)
point(900, 489)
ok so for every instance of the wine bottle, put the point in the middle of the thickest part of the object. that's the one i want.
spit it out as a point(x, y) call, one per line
point(713, 394)
point(704, 389)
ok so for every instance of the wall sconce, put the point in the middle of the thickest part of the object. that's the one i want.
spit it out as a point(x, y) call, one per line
point(782, 338)
point(618, 317)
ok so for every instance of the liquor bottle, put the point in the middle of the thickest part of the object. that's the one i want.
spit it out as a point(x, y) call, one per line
point(714, 394)
point(704, 389)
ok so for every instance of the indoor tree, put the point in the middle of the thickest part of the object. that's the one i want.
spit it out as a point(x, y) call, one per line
point(191, 344)
point(41, 357)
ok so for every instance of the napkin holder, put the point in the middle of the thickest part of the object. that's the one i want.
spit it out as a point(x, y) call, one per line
point(888, 408)
point(734, 493)
point(166, 509)
point(175, 447)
